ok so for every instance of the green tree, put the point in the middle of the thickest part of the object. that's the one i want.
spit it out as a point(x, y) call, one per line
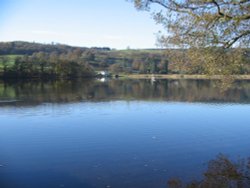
point(153, 67)
point(4, 60)
point(152, 61)
point(163, 66)
point(53, 60)
point(42, 61)
point(89, 55)
point(143, 68)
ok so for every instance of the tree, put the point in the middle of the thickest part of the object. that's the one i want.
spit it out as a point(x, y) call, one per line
point(143, 68)
point(221, 173)
point(152, 61)
point(163, 66)
point(4, 60)
point(53, 59)
point(153, 67)
point(136, 63)
point(202, 23)
point(89, 55)
point(116, 68)
point(42, 61)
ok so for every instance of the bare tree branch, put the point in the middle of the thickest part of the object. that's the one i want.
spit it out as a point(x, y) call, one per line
point(234, 40)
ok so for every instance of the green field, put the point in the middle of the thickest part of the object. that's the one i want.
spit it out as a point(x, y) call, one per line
point(11, 60)
point(135, 52)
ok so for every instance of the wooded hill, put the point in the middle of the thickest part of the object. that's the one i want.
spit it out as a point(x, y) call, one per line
point(24, 59)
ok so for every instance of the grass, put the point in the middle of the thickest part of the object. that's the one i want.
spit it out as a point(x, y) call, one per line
point(129, 52)
point(11, 60)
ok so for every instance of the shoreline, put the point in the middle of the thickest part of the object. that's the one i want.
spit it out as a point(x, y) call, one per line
point(137, 76)
point(184, 76)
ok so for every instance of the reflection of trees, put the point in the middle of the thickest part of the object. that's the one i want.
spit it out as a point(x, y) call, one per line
point(162, 90)
point(221, 173)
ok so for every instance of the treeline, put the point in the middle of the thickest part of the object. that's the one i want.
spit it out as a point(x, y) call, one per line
point(126, 61)
point(139, 62)
point(34, 60)
point(55, 60)
point(28, 48)
point(210, 61)
point(48, 65)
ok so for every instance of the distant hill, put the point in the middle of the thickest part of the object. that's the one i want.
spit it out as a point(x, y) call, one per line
point(137, 61)
point(28, 48)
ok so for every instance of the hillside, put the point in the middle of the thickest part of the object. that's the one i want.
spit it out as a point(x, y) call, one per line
point(24, 59)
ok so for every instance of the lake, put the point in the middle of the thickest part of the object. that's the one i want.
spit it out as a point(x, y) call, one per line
point(118, 133)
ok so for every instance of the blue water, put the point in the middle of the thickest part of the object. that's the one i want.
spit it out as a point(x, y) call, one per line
point(117, 143)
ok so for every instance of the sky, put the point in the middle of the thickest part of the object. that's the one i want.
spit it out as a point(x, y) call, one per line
point(102, 23)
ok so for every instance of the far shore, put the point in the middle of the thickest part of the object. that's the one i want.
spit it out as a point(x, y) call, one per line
point(139, 76)
point(185, 76)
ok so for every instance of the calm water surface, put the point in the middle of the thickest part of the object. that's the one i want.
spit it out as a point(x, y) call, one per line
point(124, 134)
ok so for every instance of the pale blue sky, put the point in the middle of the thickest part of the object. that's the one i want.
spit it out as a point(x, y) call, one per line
point(113, 23)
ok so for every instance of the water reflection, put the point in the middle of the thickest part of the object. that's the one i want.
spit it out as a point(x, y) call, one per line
point(125, 144)
point(28, 93)
point(221, 173)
